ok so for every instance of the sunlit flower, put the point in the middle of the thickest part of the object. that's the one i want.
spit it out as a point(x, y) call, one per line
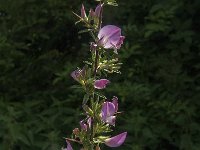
point(108, 111)
point(116, 140)
point(110, 37)
point(101, 84)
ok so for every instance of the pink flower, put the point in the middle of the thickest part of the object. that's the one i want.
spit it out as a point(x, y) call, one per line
point(116, 140)
point(83, 125)
point(69, 147)
point(108, 111)
point(110, 37)
point(101, 84)
point(78, 74)
point(115, 102)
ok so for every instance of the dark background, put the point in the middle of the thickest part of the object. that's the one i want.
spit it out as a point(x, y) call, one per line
point(158, 89)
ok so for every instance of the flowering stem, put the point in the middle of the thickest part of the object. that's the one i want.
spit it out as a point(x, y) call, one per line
point(100, 114)
point(92, 133)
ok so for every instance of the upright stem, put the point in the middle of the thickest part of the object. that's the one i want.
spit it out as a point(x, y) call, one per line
point(95, 63)
point(92, 134)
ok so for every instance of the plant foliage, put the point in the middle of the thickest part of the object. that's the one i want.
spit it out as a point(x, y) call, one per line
point(159, 85)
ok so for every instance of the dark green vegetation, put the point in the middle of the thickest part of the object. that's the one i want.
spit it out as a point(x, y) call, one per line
point(159, 89)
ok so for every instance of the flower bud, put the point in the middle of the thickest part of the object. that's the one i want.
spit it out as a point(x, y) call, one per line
point(83, 125)
point(83, 14)
point(76, 131)
point(98, 10)
point(79, 75)
point(91, 14)
point(97, 147)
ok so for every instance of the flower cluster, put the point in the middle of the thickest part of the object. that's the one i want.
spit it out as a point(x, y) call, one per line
point(100, 113)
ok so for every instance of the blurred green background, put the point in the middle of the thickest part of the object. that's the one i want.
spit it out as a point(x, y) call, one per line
point(159, 88)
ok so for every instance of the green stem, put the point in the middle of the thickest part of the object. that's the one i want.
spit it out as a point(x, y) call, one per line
point(90, 145)
point(93, 36)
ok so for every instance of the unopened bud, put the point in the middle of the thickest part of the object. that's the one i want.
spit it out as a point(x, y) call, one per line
point(98, 10)
point(91, 13)
point(83, 14)
point(97, 147)
point(76, 131)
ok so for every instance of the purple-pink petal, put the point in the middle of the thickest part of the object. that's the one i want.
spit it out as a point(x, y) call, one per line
point(101, 84)
point(77, 74)
point(89, 122)
point(115, 102)
point(111, 120)
point(83, 125)
point(83, 14)
point(98, 10)
point(69, 147)
point(108, 109)
point(116, 140)
point(91, 13)
point(110, 37)
point(120, 42)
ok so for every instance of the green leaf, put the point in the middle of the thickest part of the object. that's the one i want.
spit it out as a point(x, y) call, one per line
point(84, 31)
